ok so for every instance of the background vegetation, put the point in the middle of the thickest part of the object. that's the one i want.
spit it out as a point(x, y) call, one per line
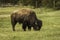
point(35, 3)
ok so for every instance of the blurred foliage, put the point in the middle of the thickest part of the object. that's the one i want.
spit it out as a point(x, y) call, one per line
point(34, 3)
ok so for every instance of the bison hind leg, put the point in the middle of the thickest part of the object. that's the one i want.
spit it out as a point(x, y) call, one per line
point(13, 24)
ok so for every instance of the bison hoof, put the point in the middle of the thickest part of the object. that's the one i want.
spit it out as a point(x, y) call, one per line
point(24, 30)
point(13, 30)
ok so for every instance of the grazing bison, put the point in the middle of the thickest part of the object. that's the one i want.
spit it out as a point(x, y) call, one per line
point(27, 17)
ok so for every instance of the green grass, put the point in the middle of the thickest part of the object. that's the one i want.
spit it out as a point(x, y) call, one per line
point(49, 31)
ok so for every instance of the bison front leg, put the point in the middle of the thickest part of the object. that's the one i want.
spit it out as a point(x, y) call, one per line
point(29, 27)
point(24, 26)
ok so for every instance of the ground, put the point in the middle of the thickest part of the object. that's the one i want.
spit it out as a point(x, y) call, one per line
point(49, 31)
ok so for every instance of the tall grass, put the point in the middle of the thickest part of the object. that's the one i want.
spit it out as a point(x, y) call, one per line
point(49, 31)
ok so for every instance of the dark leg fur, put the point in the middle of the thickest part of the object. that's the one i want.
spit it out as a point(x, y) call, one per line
point(29, 28)
point(24, 26)
point(13, 25)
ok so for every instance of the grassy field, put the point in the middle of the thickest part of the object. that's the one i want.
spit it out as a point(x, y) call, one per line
point(49, 31)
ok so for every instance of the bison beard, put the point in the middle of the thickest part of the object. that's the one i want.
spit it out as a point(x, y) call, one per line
point(27, 18)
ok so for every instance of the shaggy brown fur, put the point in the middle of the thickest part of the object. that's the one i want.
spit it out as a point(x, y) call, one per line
point(25, 16)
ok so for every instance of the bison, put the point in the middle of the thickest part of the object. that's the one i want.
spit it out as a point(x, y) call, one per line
point(28, 19)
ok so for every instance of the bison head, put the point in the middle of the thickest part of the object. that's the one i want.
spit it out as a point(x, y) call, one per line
point(38, 25)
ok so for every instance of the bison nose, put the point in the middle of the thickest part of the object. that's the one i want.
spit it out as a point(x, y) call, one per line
point(37, 28)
